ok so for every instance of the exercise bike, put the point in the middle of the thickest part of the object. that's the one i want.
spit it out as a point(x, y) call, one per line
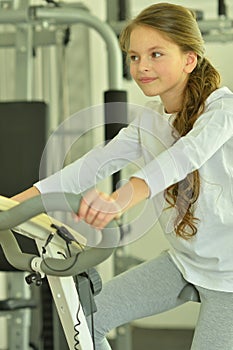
point(63, 257)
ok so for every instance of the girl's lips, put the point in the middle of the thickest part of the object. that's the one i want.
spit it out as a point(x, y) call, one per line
point(146, 80)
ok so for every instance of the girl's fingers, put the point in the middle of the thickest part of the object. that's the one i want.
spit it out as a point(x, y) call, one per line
point(86, 203)
point(97, 209)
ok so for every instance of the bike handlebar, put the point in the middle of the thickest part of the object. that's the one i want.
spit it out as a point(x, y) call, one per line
point(73, 265)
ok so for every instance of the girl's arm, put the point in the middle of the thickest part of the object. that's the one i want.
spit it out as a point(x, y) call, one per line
point(97, 208)
point(29, 193)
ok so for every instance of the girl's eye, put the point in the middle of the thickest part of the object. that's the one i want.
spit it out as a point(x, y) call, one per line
point(156, 54)
point(133, 58)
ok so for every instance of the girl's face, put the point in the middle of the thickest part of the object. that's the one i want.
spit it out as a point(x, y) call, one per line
point(158, 66)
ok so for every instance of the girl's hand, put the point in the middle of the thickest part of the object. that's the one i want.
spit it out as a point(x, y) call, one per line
point(98, 209)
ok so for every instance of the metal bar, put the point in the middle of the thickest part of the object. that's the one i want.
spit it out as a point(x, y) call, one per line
point(40, 38)
point(218, 38)
point(7, 40)
point(13, 16)
point(215, 24)
point(24, 62)
point(70, 16)
point(76, 15)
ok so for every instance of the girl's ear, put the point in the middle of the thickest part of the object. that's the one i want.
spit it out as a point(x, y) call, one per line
point(191, 62)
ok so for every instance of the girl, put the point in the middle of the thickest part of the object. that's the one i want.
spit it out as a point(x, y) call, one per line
point(193, 172)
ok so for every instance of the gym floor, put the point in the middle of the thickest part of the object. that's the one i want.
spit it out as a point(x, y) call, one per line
point(160, 339)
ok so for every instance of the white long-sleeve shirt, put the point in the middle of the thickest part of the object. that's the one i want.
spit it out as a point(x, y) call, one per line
point(207, 258)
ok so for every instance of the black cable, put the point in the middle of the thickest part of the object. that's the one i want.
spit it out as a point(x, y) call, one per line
point(60, 270)
point(92, 310)
point(76, 335)
point(64, 233)
point(76, 330)
point(67, 32)
point(68, 238)
point(92, 313)
point(55, 270)
point(49, 239)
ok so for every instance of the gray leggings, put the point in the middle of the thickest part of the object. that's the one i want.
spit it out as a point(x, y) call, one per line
point(153, 287)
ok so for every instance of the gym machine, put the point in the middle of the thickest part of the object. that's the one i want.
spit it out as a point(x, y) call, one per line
point(61, 255)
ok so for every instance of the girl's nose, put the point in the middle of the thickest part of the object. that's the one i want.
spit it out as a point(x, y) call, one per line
point(144, 64)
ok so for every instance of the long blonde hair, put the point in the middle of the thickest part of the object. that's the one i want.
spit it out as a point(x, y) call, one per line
point(179, 25)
